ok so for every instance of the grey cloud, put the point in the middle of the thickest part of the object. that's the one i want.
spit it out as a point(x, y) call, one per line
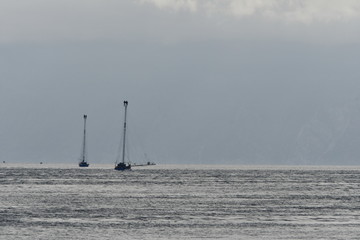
point(305, 11)
point(39, 21)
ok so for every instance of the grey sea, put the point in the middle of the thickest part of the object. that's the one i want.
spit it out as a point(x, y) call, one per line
point(179, 202)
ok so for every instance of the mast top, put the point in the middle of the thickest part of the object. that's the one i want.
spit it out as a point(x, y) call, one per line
point(125, 103)
point(85, 116)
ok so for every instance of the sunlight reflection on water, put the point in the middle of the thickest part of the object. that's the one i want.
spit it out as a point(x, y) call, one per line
point(179, 202)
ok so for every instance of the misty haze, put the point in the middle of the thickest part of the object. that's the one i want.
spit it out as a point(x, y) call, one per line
point(206, 86)
point(179, 119)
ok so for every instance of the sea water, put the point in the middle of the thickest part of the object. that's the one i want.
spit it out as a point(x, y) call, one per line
point(179, 202)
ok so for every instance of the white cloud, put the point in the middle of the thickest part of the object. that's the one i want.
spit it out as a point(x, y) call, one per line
point(305, 11)
point(190, 5)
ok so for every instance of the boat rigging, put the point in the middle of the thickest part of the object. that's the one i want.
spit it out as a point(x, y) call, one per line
point(121, 166)
point(83, 161)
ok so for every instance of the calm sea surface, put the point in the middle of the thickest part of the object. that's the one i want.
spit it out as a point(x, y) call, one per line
point(179, 202)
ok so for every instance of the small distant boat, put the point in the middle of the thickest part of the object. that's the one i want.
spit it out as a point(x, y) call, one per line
point(145, 164)
point(83, 164)
point(121, 166)
point(83, 161)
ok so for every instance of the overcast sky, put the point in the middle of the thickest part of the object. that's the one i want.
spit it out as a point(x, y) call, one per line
point(221, 81)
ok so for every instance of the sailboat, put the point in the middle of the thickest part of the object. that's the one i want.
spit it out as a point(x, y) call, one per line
point(121, 166)
point(83, 162)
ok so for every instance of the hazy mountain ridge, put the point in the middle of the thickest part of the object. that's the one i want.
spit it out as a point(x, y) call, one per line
point(330, 136)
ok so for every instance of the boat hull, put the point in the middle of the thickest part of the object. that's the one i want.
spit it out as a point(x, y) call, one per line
point(122, 167)
point(83, 164)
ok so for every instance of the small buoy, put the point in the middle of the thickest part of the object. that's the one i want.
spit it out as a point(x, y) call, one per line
point(40, 162)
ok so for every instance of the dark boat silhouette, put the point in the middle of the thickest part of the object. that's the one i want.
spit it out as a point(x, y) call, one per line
point(83, 161)
point(121, 166)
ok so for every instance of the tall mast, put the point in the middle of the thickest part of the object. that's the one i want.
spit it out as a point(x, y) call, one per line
point(123, 152)
point(84, 140)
